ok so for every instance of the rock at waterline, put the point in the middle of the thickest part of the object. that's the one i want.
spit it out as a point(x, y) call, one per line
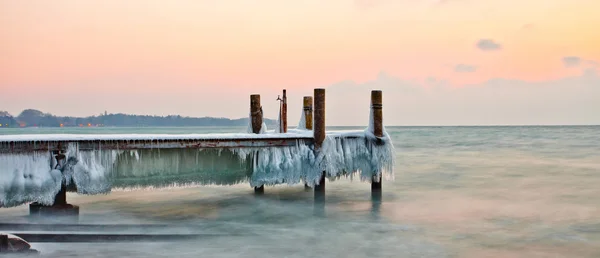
point(10, 243)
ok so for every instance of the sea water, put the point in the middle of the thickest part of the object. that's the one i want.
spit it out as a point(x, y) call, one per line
point(458, 192)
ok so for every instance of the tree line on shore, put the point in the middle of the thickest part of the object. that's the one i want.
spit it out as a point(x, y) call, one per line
point(36, 118)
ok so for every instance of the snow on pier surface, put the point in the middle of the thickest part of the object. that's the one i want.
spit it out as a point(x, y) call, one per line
point(36, 176)
point(147, 137)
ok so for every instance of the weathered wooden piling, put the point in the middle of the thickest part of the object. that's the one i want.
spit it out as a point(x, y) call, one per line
point(319, 132)
point(308, 112)
point(60, 205)
point(256, 113)
point(377, 113)
point(284, 122)
point(61, 196)
point(257, 121)
point(319, 118)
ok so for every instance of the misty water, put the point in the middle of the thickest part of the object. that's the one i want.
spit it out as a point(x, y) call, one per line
point(458, 192)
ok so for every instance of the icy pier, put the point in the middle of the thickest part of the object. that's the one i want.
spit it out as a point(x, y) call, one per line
point(60, 142)
point(42, 168)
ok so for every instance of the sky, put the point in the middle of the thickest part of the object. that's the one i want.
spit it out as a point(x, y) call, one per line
point(439, 62)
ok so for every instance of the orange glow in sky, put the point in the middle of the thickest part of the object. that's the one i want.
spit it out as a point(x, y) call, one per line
point(202, 47)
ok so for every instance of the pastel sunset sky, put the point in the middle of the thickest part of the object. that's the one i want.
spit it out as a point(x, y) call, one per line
point(439, 62)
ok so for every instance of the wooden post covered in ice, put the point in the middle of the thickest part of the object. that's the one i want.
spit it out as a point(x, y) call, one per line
point(319, 132)
point(60, 206)
point(308, 112)
point(256, 117)
point(377, 113)
point(256, 113)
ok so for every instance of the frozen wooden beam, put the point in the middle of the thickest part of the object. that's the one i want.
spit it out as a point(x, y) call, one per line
point(172, 143)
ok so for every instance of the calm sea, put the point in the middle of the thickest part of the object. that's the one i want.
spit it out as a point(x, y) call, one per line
point(529, 191)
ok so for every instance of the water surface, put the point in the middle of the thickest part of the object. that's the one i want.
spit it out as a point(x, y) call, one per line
point(458, 192)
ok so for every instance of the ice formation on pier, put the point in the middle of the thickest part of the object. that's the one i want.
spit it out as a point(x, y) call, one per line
point(263, 127)
point(90, 171)
point(279, 128)
point(302, 123)
point(30, 177)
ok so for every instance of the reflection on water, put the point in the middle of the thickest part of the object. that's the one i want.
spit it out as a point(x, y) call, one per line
point(458, 192)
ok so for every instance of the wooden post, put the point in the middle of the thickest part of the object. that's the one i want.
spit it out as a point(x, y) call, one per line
point(319, 132)
point(284, 113)
point(60, 205)
point(257, 120)
point(256, 113)
point(61, 197)
point(3, 243)
point(308, 112)
point(377, 112)
point(319, 118)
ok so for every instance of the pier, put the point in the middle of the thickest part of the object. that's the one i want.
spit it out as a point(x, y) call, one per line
point(40, 169)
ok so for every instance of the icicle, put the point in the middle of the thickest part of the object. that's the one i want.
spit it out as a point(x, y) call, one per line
point(90, 170)
point(302, 123)
point(279, 122)
point(263, 128)
point(249, 127)
point(28, 178)
point(370, 128)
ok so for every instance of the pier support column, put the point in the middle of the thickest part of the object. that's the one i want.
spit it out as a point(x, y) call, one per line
point(256, 116)
point(308, 112)
point(319, 133)
point(284, 120)
point(256, 113)
point(377, 113)
point(60, 207)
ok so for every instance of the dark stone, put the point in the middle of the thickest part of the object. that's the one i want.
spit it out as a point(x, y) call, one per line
point(62, 210)
point(14, 244)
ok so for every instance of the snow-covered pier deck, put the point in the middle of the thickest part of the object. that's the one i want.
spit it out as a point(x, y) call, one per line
point(40, 169)
point(60, 142)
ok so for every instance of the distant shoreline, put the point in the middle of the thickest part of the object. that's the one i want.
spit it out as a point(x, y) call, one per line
point(35, 118)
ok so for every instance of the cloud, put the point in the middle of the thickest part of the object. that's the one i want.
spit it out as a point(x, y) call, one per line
point(465, 68)
point(571, 61)
point(580, 62)
point(570, 100)
point(488, 45)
